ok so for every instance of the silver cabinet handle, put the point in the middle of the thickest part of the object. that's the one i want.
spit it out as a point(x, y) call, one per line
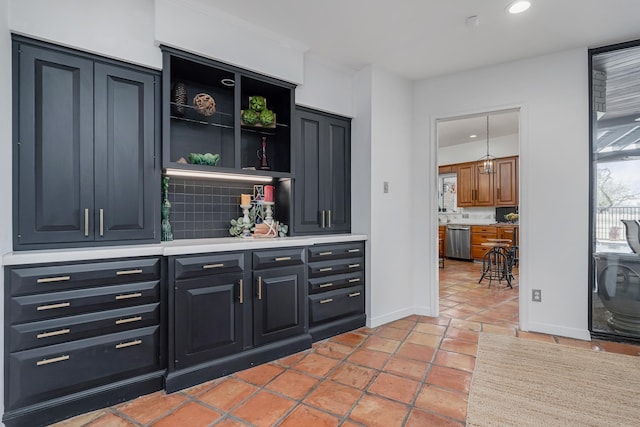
point(325, 253)
point(129, 344)
point(125, 272)
point(53, 279)
point(52, 360)
point(354, 265)
point(355, 294)
point(326, 269)
point(284, 258)
point(128, 320)
point(326, 285)
point(322, 220)
point(329, 218)
point(52, 306)
point(354, 280)
point(324, 301)
point(129, 296)
point(206, 266)
point(259, 287)
point(101, 222)
point(241, 291)
point(86, 223)
point(353, 250)
point(53, 333)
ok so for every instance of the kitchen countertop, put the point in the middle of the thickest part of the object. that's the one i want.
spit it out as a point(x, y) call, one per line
point(176, 247)
point(492, 224)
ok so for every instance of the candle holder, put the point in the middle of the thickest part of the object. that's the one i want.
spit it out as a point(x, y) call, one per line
point(245, 221)
point(268, 212)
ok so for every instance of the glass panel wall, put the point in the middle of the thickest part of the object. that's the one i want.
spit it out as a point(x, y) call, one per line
point(615, 192)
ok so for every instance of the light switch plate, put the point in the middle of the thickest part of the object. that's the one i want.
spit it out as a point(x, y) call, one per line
point(385, 186)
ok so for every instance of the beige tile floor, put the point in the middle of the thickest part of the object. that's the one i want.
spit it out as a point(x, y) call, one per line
point(412, 372)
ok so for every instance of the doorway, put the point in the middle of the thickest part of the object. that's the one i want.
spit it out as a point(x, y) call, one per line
point(478, 191)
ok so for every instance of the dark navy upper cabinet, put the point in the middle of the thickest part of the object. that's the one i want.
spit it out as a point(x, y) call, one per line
point(86, 133)
point(323, 177)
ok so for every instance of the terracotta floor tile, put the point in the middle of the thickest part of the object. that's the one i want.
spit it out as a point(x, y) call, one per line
point(445, 402)
point(536, 337)
point(381, 344)
point(152, 406)
point(392, 333)
point(110, 420)
point(307, 416)
point(370, 358)
point(402, 324)
point(366, 331)
point(413, 369)
point(459, 346)
point(200, 388)
point(463, 324)
point(229, 422)
point(620, 348)
point(227, 394)
point(424, 339)
point(289, 361)
point(589, 345)
point(443, 321)
point(375, 411)
point(499, 330)
point(82, 420)
point(454, 379)
point(316, 364)
point(332, 349)
point(293, 384)
point(259, 375)
point(264, 408)
point(419, 418)
point(191, 414)
point(462, 334)
point(353, 375)
point(351, 339)
point(333, 397)
point(350, 424)
point(416, 351)
point(455, 360)
point(428, 328)
point(394, 387)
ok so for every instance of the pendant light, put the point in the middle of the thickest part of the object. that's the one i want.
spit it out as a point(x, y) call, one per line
point(487, 163)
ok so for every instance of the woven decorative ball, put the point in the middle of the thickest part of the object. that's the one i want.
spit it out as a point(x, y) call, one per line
point(204, 104)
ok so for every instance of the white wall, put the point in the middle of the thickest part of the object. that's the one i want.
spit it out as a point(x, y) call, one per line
point(554, 176)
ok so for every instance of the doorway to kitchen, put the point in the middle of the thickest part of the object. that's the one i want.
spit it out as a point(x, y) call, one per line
point(478, 212)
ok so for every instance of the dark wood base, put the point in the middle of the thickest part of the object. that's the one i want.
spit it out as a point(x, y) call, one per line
point(337, 327)
point(55, 410)
point(197, 374)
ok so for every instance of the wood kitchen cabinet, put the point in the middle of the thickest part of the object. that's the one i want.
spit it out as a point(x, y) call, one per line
point(497, 189)
point(506, 181)
point(85, 142)
point(479, 235)
point(322, 189)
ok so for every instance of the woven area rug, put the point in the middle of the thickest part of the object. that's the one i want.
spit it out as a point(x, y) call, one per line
point(518, 382)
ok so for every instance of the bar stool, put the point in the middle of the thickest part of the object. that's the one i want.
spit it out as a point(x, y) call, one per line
point(495, 263)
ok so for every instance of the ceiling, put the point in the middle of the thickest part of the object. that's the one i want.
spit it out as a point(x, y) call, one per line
point(417, 39)
point(459, 130)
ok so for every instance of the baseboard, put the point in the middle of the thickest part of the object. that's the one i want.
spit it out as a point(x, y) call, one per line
point(545, 328)
point(374, 322)
point(337, 327)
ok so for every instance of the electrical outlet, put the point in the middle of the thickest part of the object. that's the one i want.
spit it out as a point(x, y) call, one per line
point(465, 216)
point(536, 295)
point(385, 186)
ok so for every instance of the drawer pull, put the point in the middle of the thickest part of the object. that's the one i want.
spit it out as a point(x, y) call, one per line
point(53, 333)
point(284, 258)
point(129, 344)
point(324, 301)
point(351, 251)
point(354, 280)
point(326, 269)
point(355, 294)
point(128, 320)
point(326, 285)
point(241, 283)
point(259, 287)
point(354, 265)
point(125, 272)
point(54, 279)
point(325, 253)
point(128, 296)
point(212, 266)
point(52, 306)
point(52, 360)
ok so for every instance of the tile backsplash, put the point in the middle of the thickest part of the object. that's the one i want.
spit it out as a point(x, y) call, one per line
point(202, 209)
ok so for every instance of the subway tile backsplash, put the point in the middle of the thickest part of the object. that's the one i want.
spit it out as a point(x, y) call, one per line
point(202, 209)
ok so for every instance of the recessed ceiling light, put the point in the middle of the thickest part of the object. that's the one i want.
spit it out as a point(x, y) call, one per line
point(473, 136)
point(518, 6)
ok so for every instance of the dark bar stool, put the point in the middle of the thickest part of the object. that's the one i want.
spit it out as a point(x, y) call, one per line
point(496, 263)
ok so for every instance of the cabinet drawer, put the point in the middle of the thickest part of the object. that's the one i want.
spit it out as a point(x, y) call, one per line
point(65, 329)
point(478, 238)
point(31, 280)
point(333, 304)
point(278, 258)
point(186, 267)
point(327, 268)
point(477, 252)
point(321, 284)
point(59, 370)
point(483, 229)
point(80, 301)
point(343, 250)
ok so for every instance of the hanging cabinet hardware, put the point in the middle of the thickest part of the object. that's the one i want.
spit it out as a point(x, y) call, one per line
point(325, 253)
point(86, 222)
point(354, 280)
point(351, 251)
point(284, 258)
point(259, 287)
point(129, 344)
point(241, 291)
point(206, 266)
point(324, 301)
point(53, 333)
point(326, 269)
point(322, 219)
point(53, 306)
point(53, 279)
point(101, 222)
point(329, 218)
point(52, 360)
point(355, 294)
point(326, 285)
point(128, 320)
point(125, 272)
point(129, 296)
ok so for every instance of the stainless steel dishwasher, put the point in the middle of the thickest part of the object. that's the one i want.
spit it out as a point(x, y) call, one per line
point(458, 241)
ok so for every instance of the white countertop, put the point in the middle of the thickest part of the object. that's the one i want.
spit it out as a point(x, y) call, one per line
point(176, 247)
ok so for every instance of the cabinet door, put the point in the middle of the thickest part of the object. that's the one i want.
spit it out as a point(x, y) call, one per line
point(484, 187)
point(53, 185)
point(506, 181)
point(337, 176)
point(208, 318)
point(308, 194)
point(127, 186)
point(278, 304)
point(466, 184)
